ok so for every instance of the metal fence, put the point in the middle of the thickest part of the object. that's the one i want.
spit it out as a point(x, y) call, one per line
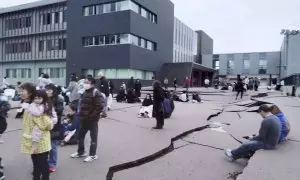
point(292, 80)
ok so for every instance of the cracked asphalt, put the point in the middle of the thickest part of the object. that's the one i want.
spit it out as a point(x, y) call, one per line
point(189, 148)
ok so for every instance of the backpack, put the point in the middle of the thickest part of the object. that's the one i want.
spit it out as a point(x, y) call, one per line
point(167, 105)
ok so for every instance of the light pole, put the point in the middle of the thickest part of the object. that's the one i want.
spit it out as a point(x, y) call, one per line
point(287, 33)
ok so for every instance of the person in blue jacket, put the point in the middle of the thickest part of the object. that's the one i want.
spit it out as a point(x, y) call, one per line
point(73, 125)
point(285, 125)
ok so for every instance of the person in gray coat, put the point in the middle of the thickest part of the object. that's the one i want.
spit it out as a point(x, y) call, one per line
point(73, 89)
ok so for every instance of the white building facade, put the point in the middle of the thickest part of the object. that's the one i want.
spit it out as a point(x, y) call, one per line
point(185, 42)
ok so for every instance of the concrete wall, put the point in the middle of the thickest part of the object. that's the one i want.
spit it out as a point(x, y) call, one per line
point(204, 47)
point(293, 63)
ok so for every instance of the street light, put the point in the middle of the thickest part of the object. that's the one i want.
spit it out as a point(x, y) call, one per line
point(287, 33)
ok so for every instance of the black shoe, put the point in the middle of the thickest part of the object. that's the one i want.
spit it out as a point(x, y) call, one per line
point(103, 115)
point(157, 127)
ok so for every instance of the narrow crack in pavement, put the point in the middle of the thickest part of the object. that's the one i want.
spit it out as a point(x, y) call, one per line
point(204, 145)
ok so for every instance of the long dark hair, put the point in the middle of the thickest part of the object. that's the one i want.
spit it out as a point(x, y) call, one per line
point(31, 90)
point(46, 102)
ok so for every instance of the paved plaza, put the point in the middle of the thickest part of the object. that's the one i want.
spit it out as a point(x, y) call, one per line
point(197, 154)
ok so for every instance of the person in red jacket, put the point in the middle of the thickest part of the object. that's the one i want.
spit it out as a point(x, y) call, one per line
point(187, 83)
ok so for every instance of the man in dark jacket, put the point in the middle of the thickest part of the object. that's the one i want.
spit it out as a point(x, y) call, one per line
point(239, 87)
point(268, 137)
point(58, 104)
point(158, 109)
point(103, 86)
point(130, 84)
point(90, 110)
point(137, 88)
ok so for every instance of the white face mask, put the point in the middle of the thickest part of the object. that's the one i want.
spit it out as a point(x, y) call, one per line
point(87, 86)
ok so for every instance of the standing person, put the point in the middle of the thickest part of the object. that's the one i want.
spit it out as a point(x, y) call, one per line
point(206, 82)
point(73, 88)
point(187, 83)
point(58, 104)
point(247, 82)
point(130, 84)
point(158, 109)
point(175, 83)
point(239, 87)
point(268, 137)
point(40, 151)
point(103, 87)
point(90, 110)
point(80, 85)
point(4, 108)
point(110, 97)
point(166, 82)
point(256, 83)
point(137, 88)
point(5, 83)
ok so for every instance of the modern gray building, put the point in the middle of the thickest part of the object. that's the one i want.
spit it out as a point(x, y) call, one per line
point(290, 55)
point(256, 64)
point(58, 37)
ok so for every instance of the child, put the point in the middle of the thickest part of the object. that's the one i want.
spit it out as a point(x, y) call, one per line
point(72, 128)
point(37, 109)
point(38, 146)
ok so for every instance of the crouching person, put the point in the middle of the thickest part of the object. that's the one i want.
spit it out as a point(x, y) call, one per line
point(268, 137)
point(72, 128)
point(90, 110)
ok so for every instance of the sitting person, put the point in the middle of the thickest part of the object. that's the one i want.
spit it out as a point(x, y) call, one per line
point(71, 128)
point(184, 97)
point(131, 97)
point(285, 125)
point(168, 105)
point(121, 96)
point(196, 98)
point(175, 97)
point(268, 137)
point(147, 107)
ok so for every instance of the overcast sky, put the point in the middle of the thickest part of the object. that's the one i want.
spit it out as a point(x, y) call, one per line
point(235, 25)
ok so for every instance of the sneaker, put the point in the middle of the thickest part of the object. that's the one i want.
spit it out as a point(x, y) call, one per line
point(229, 155)
point(76, 155)
point(52, 169)
point(90, 158)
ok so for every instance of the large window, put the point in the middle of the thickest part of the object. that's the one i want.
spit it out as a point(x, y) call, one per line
point(23, 22)
point(18, 73)
point(52, 18)
point(54, 44)
point(120, 73)
point(118, 39)
point(54, 72)
point(262, 67)
point(246, 64)
point(21, 47)
point(119, 6)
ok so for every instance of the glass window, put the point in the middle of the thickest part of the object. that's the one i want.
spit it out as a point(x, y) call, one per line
point(143, 43)
point(110, 39)
point(122, 74)
point(99, 9)
point(262, 56)
point(246, 64)
point(107, 8)
point(101, 40)
point(48, 18)
point(111, 73)
point(113, 7)
point(86, 11)
point(134, 40)
point(149, 45)
point(246, 56)
point(41, 45)
point(124, 39)
point(91, 10)
point(88, 41)
point(97, 43)
point(56, 17)
point(144, 12)
point(134, 7)
point(123, 5)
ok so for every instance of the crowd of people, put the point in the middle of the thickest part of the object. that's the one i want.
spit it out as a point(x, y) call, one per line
point(48, 122)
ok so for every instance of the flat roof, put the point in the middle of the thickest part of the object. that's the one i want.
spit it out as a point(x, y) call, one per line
point(29, 5)
point(247, 52)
